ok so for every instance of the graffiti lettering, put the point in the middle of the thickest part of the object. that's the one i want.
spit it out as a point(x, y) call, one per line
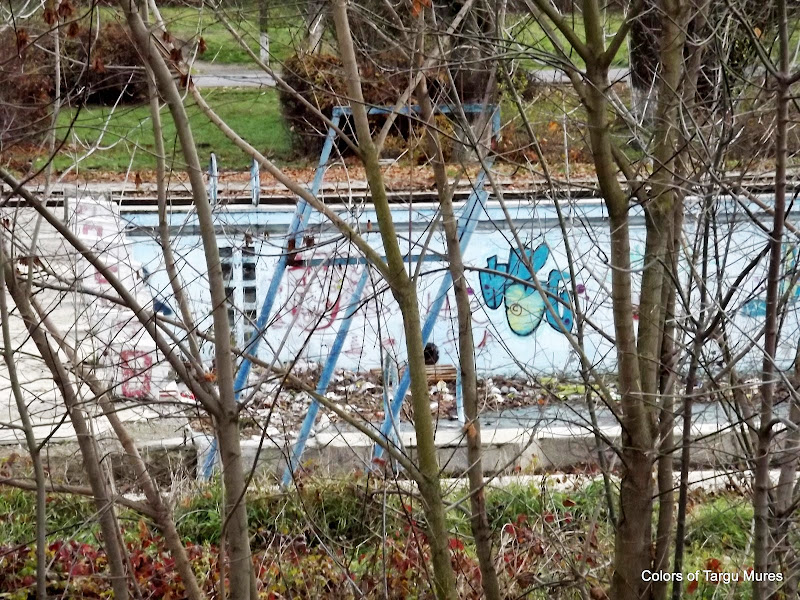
point(100, 279)
point(136, 373)
point(525, 307)
point(757, 307)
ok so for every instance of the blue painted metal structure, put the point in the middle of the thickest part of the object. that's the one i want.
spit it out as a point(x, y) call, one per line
point(325, 377)
point(213, 178)
point(255, 183)
point(301, 216)
point(466, 225)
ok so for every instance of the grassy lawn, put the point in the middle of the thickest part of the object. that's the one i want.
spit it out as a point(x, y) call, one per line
point(126, 136)
point(286, 32)
point(540, 51)
point(188, 23)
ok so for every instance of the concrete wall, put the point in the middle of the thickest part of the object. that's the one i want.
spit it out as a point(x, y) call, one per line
point(511, 326)
point(104, 335)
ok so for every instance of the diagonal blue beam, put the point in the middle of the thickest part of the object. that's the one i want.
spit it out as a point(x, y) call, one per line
point(299, 220)
point(466, 225)
point(213, 179)
point(325, 378)
point(255, 183)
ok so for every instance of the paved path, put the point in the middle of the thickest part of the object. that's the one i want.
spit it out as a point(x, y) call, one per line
point(211, 75)
point(558, 77)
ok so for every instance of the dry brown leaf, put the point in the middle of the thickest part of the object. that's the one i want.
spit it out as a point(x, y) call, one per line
point(98, 66)
point(73, 29)
point(22, 39)
point(49, 16)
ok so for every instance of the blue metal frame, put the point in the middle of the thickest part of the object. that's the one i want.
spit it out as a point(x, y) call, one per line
point(213, 178)
point(466, 225)
point(300, 218)
point(255, 183)
point(302, 213)
point(325, 377)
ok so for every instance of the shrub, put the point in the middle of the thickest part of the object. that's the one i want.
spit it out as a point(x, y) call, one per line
point(97, 68)
point(319, 79)
point(26, 89)
point(104, 69)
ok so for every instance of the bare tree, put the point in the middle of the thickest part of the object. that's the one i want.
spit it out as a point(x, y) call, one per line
point(666, 313)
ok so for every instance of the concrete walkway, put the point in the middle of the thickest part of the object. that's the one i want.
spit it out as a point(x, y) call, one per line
point(557, 439)
point(558, 77)
point(214, 75)
point(530, 439)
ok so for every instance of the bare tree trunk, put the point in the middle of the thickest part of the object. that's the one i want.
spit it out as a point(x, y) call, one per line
point(404, 292)
point(176, 284)
point(315, 24)
point(761, 497)
point(686, 433)
point(242, 576)
point(666, 448)
point(162, 513)
point(466, 347)
point(644, 60)
point(664, 222)
point(632, 543)
point(34, 450)
point(638, 361)
point(112, 539)
point(784, 493)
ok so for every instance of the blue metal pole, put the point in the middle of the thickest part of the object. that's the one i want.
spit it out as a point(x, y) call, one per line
point(466, 225)
point(325, 377)
point(213, 176)
point(462, 418)
point(299, 221)
point(297, 225)
point(255, 183)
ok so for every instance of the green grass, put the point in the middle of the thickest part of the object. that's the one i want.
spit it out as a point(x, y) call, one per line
point(68, 517)
point(349, 511)
point(126, 135)
point(541, 51)
point(286, 32)
point(188, 23)
point(722, 523)
point(348, 517)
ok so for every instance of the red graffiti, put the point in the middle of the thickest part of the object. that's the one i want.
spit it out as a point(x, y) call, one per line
point(100, 279)
point(488, 336)
point(136, 378)
point(88, 228)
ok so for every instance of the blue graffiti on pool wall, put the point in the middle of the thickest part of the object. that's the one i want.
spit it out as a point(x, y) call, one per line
point(525, 307)
point(757, 307)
